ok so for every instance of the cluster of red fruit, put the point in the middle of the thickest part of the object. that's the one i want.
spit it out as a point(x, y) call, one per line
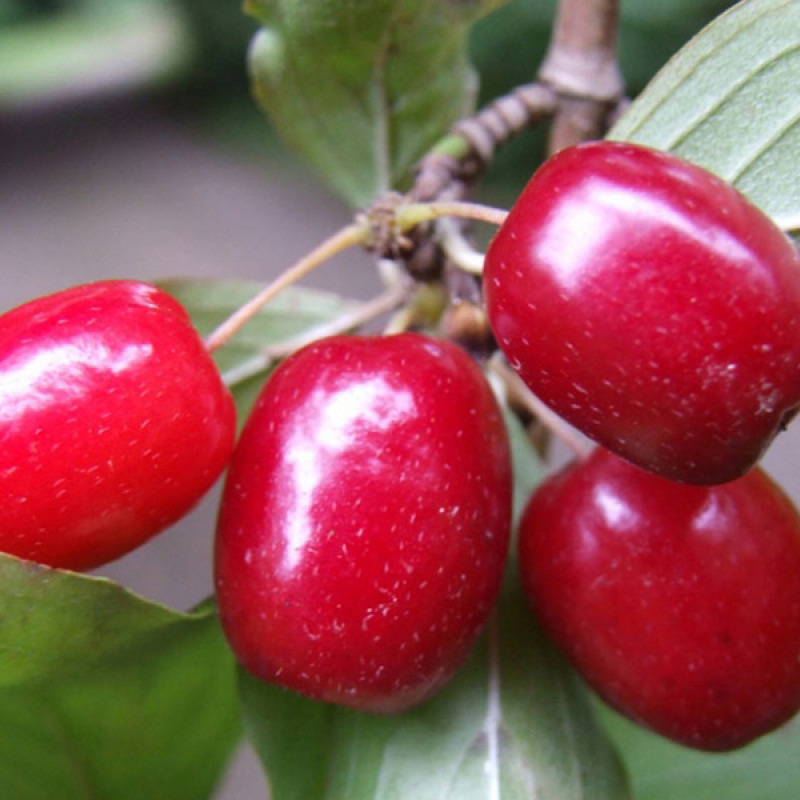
point(657, 310)
point(366, 516)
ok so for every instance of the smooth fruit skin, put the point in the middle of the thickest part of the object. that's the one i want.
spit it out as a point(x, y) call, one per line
point(365, 520)
point(652, 306)
point(679, 604)
point(113, 422)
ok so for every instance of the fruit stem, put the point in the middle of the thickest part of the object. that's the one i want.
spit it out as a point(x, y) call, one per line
point(410, 215)
point(360, 315)
point(458, 249)
point(522, 395)
point(353, 234)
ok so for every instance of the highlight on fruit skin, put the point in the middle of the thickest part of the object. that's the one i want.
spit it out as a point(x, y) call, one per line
point(679, 605)
point(114, 422)
point(365, 520)
point(652, 306)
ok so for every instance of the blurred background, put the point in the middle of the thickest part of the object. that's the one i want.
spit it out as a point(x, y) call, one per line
point(130, 147)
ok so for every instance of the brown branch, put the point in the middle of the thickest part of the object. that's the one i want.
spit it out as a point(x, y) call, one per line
point(579, 86)
point(505, 117)
point(447, 170)
point(581, 67)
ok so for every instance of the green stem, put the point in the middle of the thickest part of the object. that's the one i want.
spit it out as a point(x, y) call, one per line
point(557, 426)
point(453, 145)
point(348, 321)
point(357, 233)
point(413, 214)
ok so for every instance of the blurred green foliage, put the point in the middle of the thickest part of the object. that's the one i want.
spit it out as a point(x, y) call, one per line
point(221, 33)
point(14, 10)
point(506, 47)
point(50, 47)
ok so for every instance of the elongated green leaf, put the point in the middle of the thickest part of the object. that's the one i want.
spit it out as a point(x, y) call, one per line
point(768, 769)
point(729, 101)
point(108, 696)
point(55, 623)
point(362, 89)
point(503, 732)
point(245, 361)
point(294, 312)
point(159, 724)
point(514, 724)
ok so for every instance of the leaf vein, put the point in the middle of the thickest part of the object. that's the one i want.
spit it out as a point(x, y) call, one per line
point(733, 90)
point(76, 760)
point(767, 143)
point(715, 50)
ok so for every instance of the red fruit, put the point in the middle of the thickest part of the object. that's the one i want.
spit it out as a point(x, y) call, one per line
point(679, 604)
point(365, 521)
point(113, 422)
point(652, 306)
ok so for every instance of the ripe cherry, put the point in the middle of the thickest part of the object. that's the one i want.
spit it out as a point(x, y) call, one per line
point(365, 520)
point(113, 421)
point(679, 604)
point(652, 306)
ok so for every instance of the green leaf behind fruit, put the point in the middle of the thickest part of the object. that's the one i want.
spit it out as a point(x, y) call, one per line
point(362, 90)
point(106, 695)
point(294, 313)
point(729, 102)
point(513, 724)
point(55, 623)
point(768, 769)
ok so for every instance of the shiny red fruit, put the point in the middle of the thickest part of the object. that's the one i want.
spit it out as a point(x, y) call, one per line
point(365, 521)
point(679, 604)
point(652, 306)
point(113, 422)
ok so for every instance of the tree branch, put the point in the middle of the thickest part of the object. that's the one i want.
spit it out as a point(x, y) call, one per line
point(581, 67)
point(462, 155)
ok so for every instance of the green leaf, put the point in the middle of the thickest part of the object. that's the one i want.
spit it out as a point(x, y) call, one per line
point(105, 695)
point(362, 90)
point(729, 102)
point(513, 724)
point(55, 623)
point(768, 769)
point(244, 362)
